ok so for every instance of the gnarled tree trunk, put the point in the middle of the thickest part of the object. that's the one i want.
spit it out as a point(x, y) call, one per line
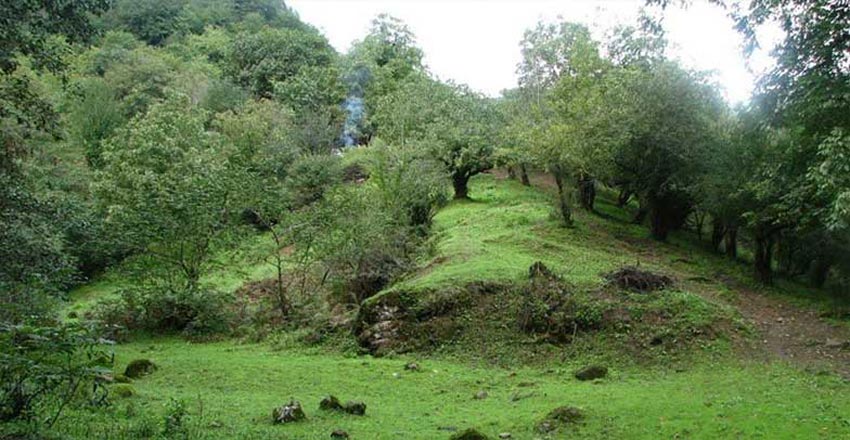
point(587, 191)
point(460, 182)
point(523, 175)
point(563, 197)
point(731, 243)
point(764, 258)
point(717, 233)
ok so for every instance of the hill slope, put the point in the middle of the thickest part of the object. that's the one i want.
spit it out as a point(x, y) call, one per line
point(229, 389)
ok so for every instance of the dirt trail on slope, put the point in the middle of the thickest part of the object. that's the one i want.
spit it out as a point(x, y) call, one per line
point(786, 331)
point(793, 333)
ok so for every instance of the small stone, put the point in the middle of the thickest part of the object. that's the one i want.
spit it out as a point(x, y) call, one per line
point(505, 435)
point(835, 343)
point(330, 403)
point(291, 412)
point(139, 368)
point(780, 320)
point(412, 366)
point(339, 434)
point(356, 408)
point(481, 395)
point(591, 372)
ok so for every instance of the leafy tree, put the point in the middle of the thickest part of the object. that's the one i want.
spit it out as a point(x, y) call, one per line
point(559, 77)
point(455, 125)
point(672, 122)
point(168, 187)
point(153, 21)
point(28, 25)
point(94, 115)
point(259, 60)
point(378, 65)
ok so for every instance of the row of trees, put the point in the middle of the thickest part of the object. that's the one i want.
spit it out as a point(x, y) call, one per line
point(623, 115)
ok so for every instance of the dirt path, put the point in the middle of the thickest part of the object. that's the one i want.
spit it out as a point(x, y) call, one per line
point(785, 331)
point(795, 334)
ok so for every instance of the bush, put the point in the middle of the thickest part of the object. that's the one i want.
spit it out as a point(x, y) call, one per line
point(43, 369)
point(311, 176)
point(197, 313)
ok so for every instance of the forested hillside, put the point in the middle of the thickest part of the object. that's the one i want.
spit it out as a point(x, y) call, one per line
point(211, 219)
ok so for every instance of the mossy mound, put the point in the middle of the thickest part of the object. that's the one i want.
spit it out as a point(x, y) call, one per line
point(122, 390)
point(469, 434)
point(591, 372)
point(139, 368)
point(559, 418)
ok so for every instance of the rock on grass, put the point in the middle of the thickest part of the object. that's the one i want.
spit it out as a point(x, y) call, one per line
point(122, 390)
point(591, 372)
point(291, 412)
point(330, 403)
point(356, 408)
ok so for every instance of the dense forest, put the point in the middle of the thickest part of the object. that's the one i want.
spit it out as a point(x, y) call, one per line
point(225, 176)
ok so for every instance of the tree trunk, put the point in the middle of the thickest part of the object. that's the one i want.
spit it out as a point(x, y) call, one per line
point(586, 191)
point(460, 182)
point(624, 197)
point(731, 243)
point(819, 271)
point(764, 258)
point(523, 175)
point(563, 199)
point(511, 173)
point(641, 214)
point(717, 233)
point(658, 225)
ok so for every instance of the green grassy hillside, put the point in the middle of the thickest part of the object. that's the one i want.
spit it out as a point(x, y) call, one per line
point(722, 389)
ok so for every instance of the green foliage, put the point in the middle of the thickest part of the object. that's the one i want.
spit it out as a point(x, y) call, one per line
point(261, 59)
point(195, 313)
point(93, 117)
point(45, 368)
point(409, 183)
point(456, 126)
point(151, 21)
point(169, 189)
point(29, 24)
point(311, 176)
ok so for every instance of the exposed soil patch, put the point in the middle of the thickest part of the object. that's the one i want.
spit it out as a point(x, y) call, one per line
point(795, 334)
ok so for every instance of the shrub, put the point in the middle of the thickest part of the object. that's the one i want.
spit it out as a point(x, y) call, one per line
point(43, 369)
point(311, 176)
point(197, 313)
